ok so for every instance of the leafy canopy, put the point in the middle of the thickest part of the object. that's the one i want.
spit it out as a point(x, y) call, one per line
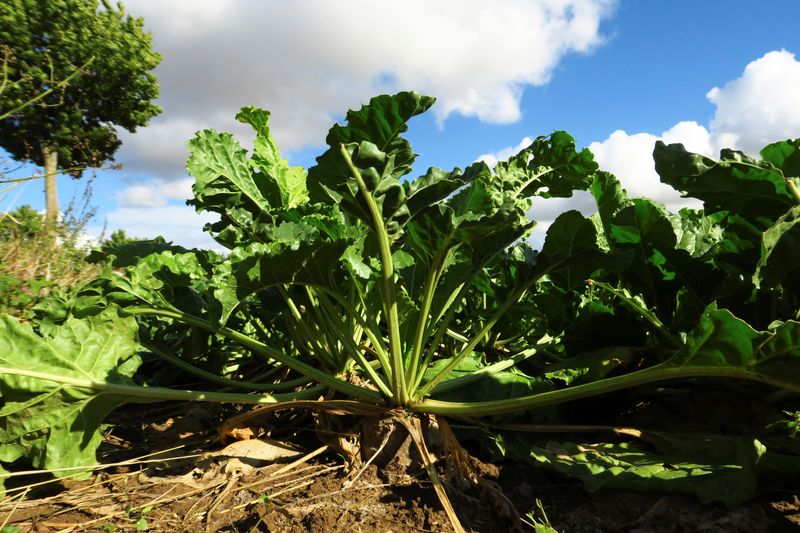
point(352, 281)
point(41, 44)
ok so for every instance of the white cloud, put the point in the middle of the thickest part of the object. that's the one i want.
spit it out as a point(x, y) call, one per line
point(155, 194)
point(160, 149)
point(310, 60)
point(761, 106)
point(177, 223)
point(503, 154)
point(693, 136)
point(140, 196)
point(630, 158)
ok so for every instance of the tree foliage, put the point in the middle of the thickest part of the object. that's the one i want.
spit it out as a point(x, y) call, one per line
point(43, 43)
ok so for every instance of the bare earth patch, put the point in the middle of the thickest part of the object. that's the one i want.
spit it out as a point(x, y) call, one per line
point(174, 475)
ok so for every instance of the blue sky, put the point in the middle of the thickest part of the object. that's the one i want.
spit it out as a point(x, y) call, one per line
point(617, 75)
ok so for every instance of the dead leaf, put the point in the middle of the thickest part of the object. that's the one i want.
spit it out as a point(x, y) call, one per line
point(255, 451)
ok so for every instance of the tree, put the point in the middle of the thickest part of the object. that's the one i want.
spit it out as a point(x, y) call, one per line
point(73, 128)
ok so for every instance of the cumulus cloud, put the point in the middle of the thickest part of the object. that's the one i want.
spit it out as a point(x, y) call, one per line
point(492, 159)
point(762, 105)
point(156, 207)
point(757, 108)
point(155, 194)
point(310, 60)
point(630, 158)
point(177, 223)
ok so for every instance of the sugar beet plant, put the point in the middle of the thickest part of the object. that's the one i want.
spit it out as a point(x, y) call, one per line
point(351, 282)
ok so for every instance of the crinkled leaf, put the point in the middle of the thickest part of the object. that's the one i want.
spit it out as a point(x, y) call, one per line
point(53, 424)
point(722, 341)
point(779, 251)
point(550, 167)
point(609, 196)
point(713, 468)
point(290, 181)
point(129, 253)
point(501, 385)
point(719, 340)
point(264, 265)
point(251, 195)
point(785, 155)
point(659, 268)
point(591, 366)
point(372, 138)
point(438, 184)
point(696, 232)
point(220, 167)
point(779, 355)
point(735, 182)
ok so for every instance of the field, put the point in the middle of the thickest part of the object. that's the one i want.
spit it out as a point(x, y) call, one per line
point(192, 486)
point(638, 372)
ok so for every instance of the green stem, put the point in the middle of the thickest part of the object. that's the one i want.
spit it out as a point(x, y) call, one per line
point(466, 350)
point(650, 375)
point(157, 394)
point(370, 326)
point(306, 337)
point(463, 381)
point(441, 327)
point(267, 351)
point(457, 336)
point(387, 285)
point(419, 337)
point(350, 346)
point(328, 338)
point(214, 378)
point(793, 189)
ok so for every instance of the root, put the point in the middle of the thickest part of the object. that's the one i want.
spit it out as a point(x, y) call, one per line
point(379, 439)
point(462, 472)
point(414, 428)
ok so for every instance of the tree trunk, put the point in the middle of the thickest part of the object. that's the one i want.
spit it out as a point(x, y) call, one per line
point(50, 186)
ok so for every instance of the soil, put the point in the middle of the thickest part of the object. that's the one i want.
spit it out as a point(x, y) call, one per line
point(173, 477)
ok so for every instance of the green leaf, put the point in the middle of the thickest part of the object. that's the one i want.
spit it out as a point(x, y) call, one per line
point(55, 424)
point(713, 468)
point(550, 167)
point(779, 355)
point(609, 196)
point(253, 196)
point(735, 183)
point(220, 166)
point(438, 184)
point(129, 253)
point(719, 340)
point(500, 385)
point(591, 366)
point(260, 266)
point(378, 151)
point(730, 345)
point(570, 252)
point(696, 232)
point(785, 155)
point(779, 247)
point(290, 181)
